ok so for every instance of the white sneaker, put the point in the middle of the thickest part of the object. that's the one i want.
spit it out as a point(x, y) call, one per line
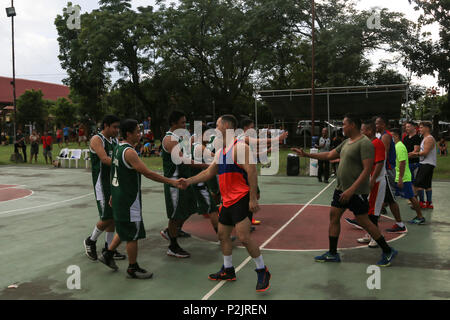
point(365, 239)
point(373, 244)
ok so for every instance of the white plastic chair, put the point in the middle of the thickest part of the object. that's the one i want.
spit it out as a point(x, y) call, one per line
point(75, 155)
point(63, 156)
point(87, 157)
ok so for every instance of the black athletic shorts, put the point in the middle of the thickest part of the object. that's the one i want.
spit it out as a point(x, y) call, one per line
point(390, 187)
point(358, 204)
point(424, 176)
point(236, 213)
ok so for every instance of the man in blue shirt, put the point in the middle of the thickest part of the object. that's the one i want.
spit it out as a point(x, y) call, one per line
point(66, 135)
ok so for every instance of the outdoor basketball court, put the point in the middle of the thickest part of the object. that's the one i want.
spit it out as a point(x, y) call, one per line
point(46, 213)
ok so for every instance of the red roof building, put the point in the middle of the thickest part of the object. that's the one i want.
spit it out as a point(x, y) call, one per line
point(51, 91)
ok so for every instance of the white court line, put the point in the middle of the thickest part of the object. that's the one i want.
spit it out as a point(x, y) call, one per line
point(13, 187)
point(401, 235)
point(45, 205)
point(221, 283)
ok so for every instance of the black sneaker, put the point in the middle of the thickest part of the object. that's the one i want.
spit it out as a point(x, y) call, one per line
point(227, 274)
point(177, 252)
point(182, 234)
point(263, 279)
point(252, 229)
point(117, 255)
point(107, 258)
point(138, 273)
point(90, 248)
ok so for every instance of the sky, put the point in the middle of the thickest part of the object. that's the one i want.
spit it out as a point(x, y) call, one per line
point(37, 47)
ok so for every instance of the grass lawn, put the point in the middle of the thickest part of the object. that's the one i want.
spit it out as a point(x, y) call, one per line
point(442, 172)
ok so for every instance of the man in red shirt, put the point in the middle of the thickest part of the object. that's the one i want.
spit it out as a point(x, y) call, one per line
point(59, 134)
point(81, 136)
point(47, 144)
point(377, 181)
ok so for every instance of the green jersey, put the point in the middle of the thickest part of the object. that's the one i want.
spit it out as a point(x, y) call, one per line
point(172, 170)
point(210, 144)
point(101, 173)
point(125, 187)
point(196, 153)
point(402, 155)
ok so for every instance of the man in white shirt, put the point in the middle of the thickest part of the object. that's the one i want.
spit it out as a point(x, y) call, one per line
point(324, 146)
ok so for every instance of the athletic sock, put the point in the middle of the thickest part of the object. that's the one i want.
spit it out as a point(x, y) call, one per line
point(227, 261)
point(421, 195)
point(333, 244)
point(429, 195)
point(95, 234)
point(133, 266)
point(374, 219)
point(383, 245)
point(400, 224)
point(109, 237)
point(259, 262)
point(173, 242)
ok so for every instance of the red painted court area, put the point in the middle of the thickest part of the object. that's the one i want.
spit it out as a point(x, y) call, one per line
point(308, 231)
point(11, 192)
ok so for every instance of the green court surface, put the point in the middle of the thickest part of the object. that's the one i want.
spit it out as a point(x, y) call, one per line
point(42, 234)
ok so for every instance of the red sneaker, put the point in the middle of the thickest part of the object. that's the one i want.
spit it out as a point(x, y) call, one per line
point(255, 222)
point(429, 205)
point(423, 204)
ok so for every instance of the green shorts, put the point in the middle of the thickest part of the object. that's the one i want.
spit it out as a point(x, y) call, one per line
point(130, 231)
point(180, 204)
point(205, 201)
point(104, 210)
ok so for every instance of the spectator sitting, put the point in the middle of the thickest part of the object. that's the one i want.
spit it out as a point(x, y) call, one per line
point(443, 147)
point(139, 148)
point(146, 148)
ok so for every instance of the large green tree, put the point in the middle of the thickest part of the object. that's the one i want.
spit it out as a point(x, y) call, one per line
point(84, 62)
point(197, 54)
point(343, 43)
point(427, 57)
point(64, 111)
point(31, 108)
point(218, 45)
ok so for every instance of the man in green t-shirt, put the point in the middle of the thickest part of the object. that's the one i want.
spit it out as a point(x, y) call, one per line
point(126, 199)
point(101, 148)
point(356, 160)
point(403, 184)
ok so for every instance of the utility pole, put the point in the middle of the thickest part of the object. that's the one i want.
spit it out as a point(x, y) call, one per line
point(11, 12)
point(312, 69)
